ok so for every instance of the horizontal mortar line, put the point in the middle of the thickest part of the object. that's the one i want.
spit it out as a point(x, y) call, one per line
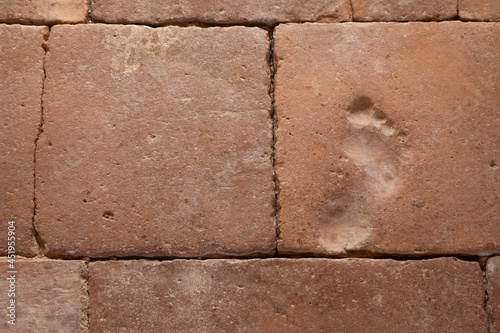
point(265, 26)
point(291, 257)
point(261, 25)
point(178, 24)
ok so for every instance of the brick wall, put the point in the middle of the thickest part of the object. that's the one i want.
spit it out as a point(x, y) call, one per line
point(250, 166)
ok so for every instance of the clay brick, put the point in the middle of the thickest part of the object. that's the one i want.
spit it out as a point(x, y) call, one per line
point(156, 142)
point(493, 278)
point(479, 10)
point(49, 296)
point(287, 295)
point(20, 111)
point(387, 138)
point(220, 11)
point(43, 11)
point(403, 10)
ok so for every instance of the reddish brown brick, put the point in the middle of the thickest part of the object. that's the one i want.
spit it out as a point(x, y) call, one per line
point(493, 278)
point(50, 296)
point(387, 138)
point(479, 10)
point(403, 10)
point(287, 295)
point(43, 11)
point(20, 111)
point(219, 11)
point(156, 142)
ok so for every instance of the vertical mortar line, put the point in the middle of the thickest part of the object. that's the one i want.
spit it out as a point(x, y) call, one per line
point(272, 71)
point(84, 296)
point(487, 301)
point(45, 37)
point(89, 11)
point(352, 10)
point(458, 9)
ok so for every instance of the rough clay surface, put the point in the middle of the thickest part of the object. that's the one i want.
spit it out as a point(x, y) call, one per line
point(220, 11)
point(404, 10)
point(156, 142)
point(43, 11)
point(287, 295)
point(479, 10)
point(493, 278)
point(50, 296)
point(20, 110)
point(387, 138)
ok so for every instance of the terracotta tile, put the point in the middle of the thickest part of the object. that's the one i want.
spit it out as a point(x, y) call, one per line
point(220, 11)
point(49, 296)
point(20, 112)
point(287, 295)
point(156, 143)
point(387, 138)
point(43, 11)
point(479, 10)
point(404, 10)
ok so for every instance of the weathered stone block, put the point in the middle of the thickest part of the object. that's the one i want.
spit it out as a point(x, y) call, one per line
point(220, 11)
point(50, 296)
point(20, 111)
point(387, 138)
point(156, 143)
point(404, 10)
point(43, 11)
point(479, 10)
point(287, 295)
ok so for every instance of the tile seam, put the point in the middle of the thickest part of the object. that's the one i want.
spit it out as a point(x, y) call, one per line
point(38, 240)
point(272, 72)
point(487, 306)
point(92, 260)
point(89, 11)
point(84, 297)
point(352, 10)
point(280, 256)
point(261, 25)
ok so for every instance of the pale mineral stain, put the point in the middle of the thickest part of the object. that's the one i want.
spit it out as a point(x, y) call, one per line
point(194, 282)
point(368, 144)
point(378, 300)
point(130, 51)
point(346, 232)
